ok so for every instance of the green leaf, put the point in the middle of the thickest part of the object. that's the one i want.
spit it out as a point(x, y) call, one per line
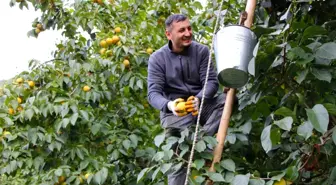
point(29, 114)
point(140, 84)
point(166, 167)
point(285, 123)
point(65, 122)
point(199, 163)
point(300, 98)
point(284, 111)
point(306, 59)
point(79, 153)
point(84, 114)
point(200, 146)
point(126, 143)
point(58, 125)
point(168, 154)
point(103, 175)
point(322, 74)
point(58, 172)
point(292, 173)
point(229, 176)
point(216, 177)
point(331, 108)
point(302, 76)
point(60, 99)
point(95, 128)
point(199, 179)
point(198, 5)
point(327, 51)
point(313, 31)
point(334, 136)
point(158, 156)
point(155, 173)
point(296, 53)
point(142, 174)
point(246, 128)
point(210, 140)
point(319, 118)
point(266, 139)
point(9, 121)
point(332, 176)
point(241, 180)
point(65, 111)
point(314, 45)
point(32, 135)
point(278, 176)
point(134, 139)
point(305, 130)
point(231, 138)
point(74, 118)
point(38, 161)
point(158, 140)
point(275, 135)
point(97, 178)
point(322, 61)
point(115, 154)
point(228, 164)
point(131, 82)
point(242, 137)
point(256, 182)
point(83, 165)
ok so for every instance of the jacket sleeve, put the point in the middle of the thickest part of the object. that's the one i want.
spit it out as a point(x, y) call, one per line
point(212, 84)
point(155, 84)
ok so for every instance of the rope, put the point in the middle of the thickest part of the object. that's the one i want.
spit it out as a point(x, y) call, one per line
point(202, 101)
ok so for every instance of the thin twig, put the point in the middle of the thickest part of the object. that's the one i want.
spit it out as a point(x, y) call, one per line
point(73, 90)
point(304, 164)
point(329, 132)
point(306, 105)
point(177, 155)
point(46, 62)
point(333, 118)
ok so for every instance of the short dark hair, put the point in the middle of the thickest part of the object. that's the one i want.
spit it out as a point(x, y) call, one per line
point(174, 18)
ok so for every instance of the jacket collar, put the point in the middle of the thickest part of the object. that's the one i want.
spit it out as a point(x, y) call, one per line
point(184, 52)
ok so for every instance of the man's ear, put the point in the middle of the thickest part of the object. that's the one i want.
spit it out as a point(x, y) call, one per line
point(168, 35)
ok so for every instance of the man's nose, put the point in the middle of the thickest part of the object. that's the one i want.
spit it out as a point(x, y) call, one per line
point(188, 33)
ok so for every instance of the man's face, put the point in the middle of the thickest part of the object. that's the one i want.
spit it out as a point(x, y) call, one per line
point(180, 34)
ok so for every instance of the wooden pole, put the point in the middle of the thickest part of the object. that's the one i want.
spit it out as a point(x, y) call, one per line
point(250, 8)
point(222, 130)
point(246, 20)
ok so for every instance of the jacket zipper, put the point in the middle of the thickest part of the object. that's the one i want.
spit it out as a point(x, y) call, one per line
point(183, 74)
point(188, 72)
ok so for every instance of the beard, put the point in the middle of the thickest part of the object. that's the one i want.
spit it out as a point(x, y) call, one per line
point(186, 41)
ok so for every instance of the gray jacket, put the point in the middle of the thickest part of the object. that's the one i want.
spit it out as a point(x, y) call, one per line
point(179, 75)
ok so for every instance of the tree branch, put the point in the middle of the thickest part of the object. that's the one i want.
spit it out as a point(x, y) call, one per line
point(304, 164)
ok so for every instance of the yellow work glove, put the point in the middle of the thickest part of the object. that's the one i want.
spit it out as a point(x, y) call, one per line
point(177, 107)
point(192, 105)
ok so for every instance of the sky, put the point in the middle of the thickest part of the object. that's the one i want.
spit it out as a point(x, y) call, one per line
point(16, 48)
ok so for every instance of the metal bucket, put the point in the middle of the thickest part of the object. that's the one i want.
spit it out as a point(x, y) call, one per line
point(233, 46)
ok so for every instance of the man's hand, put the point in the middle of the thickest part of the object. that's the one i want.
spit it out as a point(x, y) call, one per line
point(192, 105)
point(177, 110)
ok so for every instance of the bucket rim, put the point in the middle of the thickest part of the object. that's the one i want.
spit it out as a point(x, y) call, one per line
point(238, 25)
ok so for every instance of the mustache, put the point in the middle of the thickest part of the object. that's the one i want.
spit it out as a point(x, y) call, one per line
point(186, 38)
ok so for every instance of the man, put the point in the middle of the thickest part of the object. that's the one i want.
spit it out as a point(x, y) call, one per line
point(177, 73)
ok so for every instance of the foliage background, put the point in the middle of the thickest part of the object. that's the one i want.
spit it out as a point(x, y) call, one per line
point(283, 130)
